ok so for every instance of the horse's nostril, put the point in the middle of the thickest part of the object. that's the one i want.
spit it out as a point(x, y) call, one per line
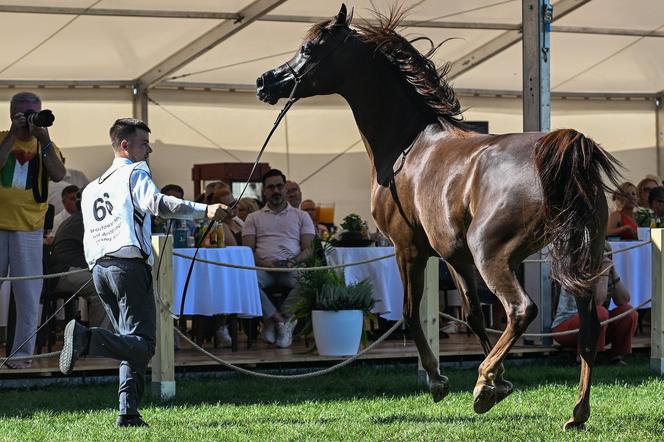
point(259, 82)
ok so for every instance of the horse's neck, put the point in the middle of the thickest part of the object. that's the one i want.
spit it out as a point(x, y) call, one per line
point(386, 112)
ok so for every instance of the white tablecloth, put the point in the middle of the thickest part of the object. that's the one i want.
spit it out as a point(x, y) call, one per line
point(634, 267)
point(214, 289)
point(384, 276)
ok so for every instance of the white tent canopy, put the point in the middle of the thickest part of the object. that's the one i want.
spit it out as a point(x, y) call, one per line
point(83, 57)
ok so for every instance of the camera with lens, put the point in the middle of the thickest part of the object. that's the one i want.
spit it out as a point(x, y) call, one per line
point(43, 118)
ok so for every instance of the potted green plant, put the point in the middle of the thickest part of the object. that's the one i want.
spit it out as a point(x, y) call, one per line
point(333, 311)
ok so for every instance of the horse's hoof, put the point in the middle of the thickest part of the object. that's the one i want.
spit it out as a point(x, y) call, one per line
point(574, 425)
point(503, 389)
point(439, 389)
point(484, 397)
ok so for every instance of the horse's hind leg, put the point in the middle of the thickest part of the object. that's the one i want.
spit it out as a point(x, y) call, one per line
point(521, 311)
point(589, 331)
point(464, 278)
point(412, 273)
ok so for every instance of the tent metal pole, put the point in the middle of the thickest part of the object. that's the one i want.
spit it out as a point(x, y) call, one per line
point(659, 133)
point(140, 103)
point(537, 118)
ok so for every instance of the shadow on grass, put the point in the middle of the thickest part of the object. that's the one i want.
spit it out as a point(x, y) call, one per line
point(362, 382)
point(466, 420)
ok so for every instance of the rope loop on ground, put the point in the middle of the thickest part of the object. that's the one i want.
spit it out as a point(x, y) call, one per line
point(285, 270)
point(293, 376)
point(552, 334)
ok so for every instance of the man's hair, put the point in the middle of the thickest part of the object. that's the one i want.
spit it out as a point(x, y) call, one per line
point(69, 189)
point(123, 128)
point(271, 173)
point(656, 194)
point(296, 185)
point(172, 187)
point(216, 185)
point(218, 195)
point(22, 97)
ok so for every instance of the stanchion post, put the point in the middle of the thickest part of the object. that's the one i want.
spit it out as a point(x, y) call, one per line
point(429, 314)
point(163, 363)
point(657, 312)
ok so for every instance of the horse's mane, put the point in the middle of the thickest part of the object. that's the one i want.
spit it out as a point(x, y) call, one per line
point(418, 69)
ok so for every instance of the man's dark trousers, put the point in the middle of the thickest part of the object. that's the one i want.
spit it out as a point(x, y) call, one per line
point(125, 287)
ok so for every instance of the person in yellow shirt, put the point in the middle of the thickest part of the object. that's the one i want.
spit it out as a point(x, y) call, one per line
point(28, 158)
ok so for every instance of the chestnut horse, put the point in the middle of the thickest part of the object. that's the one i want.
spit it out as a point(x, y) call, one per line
point(440, 189)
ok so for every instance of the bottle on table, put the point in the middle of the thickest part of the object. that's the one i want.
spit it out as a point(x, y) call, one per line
point(221, 239)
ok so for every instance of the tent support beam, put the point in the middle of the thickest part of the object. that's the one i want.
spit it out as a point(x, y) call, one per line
point(207, 41)
point(209, 15)
point(504, 41)
point(121, 88)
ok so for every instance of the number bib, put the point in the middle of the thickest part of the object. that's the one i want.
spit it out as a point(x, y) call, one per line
point(112, 221)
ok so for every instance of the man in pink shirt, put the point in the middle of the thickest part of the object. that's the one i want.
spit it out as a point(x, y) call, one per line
point(280, 236)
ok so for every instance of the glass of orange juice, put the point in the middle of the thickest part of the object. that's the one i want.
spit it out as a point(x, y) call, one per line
point(326, 213)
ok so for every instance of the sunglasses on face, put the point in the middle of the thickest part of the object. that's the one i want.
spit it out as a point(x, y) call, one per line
point(275, 187)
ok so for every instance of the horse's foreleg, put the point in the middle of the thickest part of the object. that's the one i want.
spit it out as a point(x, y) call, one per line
point(521, 311)
point(589, 330)
point(464, 278)
point(412, 272)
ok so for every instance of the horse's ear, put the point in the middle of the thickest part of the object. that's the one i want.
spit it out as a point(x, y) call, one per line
point(341, 16)
point(350, 16)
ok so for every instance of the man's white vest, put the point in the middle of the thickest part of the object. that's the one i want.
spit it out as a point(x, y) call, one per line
point(112, 221)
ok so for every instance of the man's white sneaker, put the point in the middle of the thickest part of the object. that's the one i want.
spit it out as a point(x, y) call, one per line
point(285, 333)
point(268, 332)
point(223, 337)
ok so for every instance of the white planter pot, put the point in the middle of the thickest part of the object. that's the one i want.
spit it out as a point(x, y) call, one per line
point(337, 333)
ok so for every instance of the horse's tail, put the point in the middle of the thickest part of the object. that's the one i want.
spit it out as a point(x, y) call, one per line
point(570, 167)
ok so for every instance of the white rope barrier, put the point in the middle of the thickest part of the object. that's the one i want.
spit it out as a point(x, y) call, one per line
point(284, 270)
point(552, 334)
point(294, 376)
point(27, 358)
point(47, 276)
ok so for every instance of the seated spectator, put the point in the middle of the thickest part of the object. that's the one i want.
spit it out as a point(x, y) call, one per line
point(621, 221)
point(212, 187)
point(67, 255)
point(656, 202)
point(244, 207)
point(280, 236)
point(69, 203)
point(643, 212)
point(160, 225)
point(293, 194)
point(232, 229)
point(72, 177)
point(309, 206)
point(618, 333)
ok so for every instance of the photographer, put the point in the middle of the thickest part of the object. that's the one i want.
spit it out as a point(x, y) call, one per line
point(28, 158)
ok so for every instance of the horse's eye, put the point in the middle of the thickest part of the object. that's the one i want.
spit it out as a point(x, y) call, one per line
point(307, 48)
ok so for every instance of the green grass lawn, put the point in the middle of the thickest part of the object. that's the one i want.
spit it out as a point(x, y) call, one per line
point(357, 403)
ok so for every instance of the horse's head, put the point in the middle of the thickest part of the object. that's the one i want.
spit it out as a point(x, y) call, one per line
point(312, 64)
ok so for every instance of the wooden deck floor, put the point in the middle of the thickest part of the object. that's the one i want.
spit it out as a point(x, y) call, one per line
point(264, 355)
